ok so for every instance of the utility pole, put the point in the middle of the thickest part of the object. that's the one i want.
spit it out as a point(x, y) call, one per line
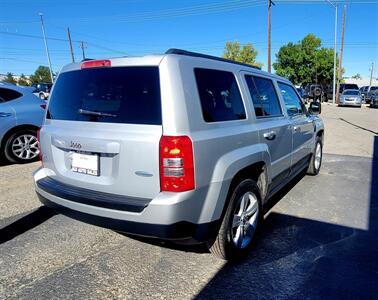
point(82, 46)
point(334, 54)
point(69, 39)
point(371, 75)
point(46, 47)
point(341, 57)
point(270, 3)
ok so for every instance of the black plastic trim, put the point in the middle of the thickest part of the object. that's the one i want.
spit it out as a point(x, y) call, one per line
point(195, 54)
point(187, 231)
point(90, 197)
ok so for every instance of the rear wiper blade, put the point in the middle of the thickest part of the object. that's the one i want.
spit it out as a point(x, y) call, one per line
point(96, 113)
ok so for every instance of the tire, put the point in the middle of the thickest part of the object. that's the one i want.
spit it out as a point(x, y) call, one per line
point(19, 144)
point(316, 162)
point(42, 96)
point(227, 245)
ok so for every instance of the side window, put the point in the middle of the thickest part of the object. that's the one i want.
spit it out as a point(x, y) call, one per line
point(220, 96)
point(293, 103)
point(264, 96)
point(8, 94)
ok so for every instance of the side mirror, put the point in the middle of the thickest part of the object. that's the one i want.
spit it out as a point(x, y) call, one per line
point(315, 108)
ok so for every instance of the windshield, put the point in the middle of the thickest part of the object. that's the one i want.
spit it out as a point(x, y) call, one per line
point(113, 95)
point(351, 93)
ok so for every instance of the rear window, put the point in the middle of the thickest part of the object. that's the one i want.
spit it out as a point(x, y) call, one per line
point(220, 96)
point(111, 95)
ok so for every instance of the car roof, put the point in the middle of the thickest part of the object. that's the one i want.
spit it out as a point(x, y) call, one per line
point(351, 90)
point(155, 60)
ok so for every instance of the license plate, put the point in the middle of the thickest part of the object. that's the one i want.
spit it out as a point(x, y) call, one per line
point(85, 163)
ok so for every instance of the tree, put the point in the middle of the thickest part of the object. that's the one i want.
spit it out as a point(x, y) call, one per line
point(23, 80)
point(247, 54)
point(9, 78)
point(357, 76)
point(42, 74)
point(305, 62)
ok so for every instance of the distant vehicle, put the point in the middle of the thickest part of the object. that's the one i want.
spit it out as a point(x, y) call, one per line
point(315, 92)
point(350, 98)
point(21, 115)
point(369, 93)
point(42, 90)
point(374, 98)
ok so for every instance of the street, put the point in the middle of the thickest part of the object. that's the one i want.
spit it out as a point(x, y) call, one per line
point(319, 239)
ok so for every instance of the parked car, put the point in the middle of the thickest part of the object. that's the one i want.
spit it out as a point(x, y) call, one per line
point(21, 115)
point(363, 92)
point(179, 146)
point(369, 93)
point(315, 92)
point(350, 98)
point(374, 99)
point(42, 90)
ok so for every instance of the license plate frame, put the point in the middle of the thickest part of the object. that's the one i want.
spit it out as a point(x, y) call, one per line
point(85, 163)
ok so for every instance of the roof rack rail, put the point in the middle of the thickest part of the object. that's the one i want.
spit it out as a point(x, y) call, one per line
point(195, 54)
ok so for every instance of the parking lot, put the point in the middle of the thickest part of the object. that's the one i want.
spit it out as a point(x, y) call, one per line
point(319, 240)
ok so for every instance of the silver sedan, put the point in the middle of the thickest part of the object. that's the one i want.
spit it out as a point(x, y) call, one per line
point(350, 98)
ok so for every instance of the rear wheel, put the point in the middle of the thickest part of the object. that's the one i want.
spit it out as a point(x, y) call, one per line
point(239, 225)
point(316, 159)
point(22, 147)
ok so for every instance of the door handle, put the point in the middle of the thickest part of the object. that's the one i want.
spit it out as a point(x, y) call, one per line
point(4, 114)
point(271, 135)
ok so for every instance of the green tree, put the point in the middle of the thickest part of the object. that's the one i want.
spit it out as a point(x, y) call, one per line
point(23, 80)
point(305, 62)
point(357, 76)
point(246, 54)
point(42, 74)
point(9, 78)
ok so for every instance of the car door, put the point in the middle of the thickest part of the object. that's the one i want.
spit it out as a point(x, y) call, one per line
point(302, 125)
point(7, 117)
point(274, 128)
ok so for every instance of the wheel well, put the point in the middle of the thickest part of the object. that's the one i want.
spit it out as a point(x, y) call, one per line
point(253, 172)
point(15, 129)
point(320, 134)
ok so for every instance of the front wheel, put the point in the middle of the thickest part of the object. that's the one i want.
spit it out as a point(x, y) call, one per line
point(239, 225)
point(316, 158)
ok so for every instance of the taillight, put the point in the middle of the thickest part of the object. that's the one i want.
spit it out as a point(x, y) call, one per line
point(39, 145)
point(96, 63)
point(176, 164)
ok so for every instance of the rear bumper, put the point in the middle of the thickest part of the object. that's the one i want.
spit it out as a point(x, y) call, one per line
point(171, 217)
point(194, 233)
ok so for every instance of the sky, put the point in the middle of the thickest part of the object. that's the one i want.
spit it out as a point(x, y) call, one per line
point(114, 28)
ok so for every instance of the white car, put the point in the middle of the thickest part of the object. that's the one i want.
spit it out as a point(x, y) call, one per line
point(350, 98)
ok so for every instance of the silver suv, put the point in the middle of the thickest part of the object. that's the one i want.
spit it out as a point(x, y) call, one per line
point(180, 146)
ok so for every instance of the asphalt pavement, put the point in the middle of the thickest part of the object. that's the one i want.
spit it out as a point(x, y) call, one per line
point(319, 240)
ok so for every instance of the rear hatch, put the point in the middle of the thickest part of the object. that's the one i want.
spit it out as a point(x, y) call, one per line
point(102, 130)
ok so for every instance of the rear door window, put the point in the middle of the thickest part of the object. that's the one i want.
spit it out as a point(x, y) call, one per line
point(111, 95)
point(8, 94)
point(264, 96)
point(219, 95)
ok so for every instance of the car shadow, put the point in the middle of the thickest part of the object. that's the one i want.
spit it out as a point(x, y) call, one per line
point(299, 258)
